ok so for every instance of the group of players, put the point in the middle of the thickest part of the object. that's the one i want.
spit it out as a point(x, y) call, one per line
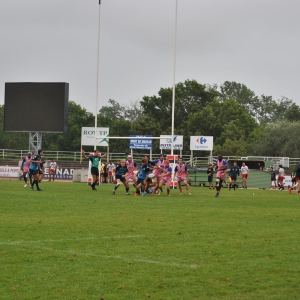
point(148, 177)
point(32, 168)
point(234, 173)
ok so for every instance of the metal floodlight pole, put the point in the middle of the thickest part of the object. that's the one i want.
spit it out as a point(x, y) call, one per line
point(97, 83)
point(174, 72)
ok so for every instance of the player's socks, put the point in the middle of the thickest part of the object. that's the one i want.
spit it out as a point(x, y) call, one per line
point(35, 182)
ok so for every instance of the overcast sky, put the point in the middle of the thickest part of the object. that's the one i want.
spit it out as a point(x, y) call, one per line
point(251, 42)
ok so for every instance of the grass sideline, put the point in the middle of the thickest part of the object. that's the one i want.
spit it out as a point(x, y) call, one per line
point(69, 242)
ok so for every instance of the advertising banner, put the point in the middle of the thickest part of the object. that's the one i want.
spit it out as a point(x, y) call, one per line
point(6, 171)
point(166, 143)
point(142, 144)
point(61, 173)
point(88, 136)
point(204, 143)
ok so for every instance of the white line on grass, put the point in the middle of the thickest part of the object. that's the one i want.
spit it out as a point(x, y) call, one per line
point(129, 259)
point(76, 239)
point(90, 254)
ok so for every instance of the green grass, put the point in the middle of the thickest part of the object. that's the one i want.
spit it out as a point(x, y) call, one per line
point(69, 242)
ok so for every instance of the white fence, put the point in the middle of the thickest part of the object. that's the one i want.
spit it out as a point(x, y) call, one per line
point(76, 156)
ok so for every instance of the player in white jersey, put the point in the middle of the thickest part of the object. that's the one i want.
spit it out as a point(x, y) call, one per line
point(52, 169)
point(281, 174)
point(131, 167)
point(110, 168)
point(245, 174)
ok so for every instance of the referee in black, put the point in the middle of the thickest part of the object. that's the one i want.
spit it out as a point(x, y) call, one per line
point(234, 174)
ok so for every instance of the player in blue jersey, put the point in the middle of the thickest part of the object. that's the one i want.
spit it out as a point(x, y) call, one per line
point(149, 183)
point(34, 169)
point(121, 171)
point(142, 176)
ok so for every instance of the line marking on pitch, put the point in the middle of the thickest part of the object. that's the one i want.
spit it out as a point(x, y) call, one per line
point(35, 243)
point(22, 242)
point(130, 259)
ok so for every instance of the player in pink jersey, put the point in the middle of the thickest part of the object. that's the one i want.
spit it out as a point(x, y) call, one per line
point(131, 166)
point(221, 169)
point(182, 173)
point(25, 167)
point(165, 177)
point(157, 170)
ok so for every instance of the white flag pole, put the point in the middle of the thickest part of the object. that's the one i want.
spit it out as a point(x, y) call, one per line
point(97, 83)
point(174, 72)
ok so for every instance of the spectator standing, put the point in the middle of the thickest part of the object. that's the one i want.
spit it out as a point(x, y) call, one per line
point(52, 169)
point(281, 174)
point(245, 174)
point(273, 178)
point(110, 168)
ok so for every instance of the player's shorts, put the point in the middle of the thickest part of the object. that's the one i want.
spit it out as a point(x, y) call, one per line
point(52, 171)
point(233, 178)
point(121, 178)
point(280, 178)
point(245, 176)
point(131, 176)
point(33, 172)
point(25, 170)
point(95, 171)
point(221, 175)
point(166, 179)
point(181, 178)
point(210, 178)
point(156, 173)
point(140, 180)
point(109, 173)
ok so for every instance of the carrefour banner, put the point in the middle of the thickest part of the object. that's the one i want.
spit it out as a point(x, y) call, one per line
point(166, 142)
point(88, 136)
point(204, 143)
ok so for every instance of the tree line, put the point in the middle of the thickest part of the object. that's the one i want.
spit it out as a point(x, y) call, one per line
point(241, 122)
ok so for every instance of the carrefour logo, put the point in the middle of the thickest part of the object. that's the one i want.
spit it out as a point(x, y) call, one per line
point(201, 140)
